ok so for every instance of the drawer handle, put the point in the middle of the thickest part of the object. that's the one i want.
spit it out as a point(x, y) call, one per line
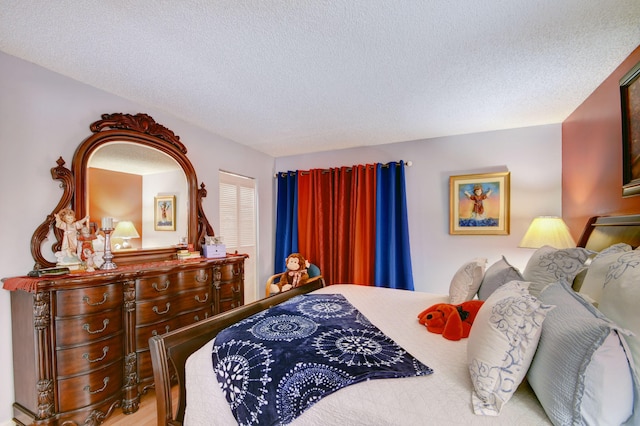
point(155, 333)
point(206, 297)
point(166, 286)
point(155, 309)
point(105, 322)
point(104, 354)
point(88, 388)
point(86, 299)
point(202, 278)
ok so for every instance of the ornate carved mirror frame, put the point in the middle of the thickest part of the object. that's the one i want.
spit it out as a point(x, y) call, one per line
point(139, 129)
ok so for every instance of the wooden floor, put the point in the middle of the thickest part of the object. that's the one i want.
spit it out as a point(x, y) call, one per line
point(146, 414)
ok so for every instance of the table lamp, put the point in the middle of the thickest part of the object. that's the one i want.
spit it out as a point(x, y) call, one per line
point(547, 230)
point(125, 230)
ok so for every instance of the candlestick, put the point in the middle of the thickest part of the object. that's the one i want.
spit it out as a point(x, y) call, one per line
point(108, 256)
point(107, 223)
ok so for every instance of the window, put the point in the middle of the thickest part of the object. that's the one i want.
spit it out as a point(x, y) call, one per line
point(238, 224)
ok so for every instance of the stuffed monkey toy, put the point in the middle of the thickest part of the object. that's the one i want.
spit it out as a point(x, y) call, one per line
point(295, 274)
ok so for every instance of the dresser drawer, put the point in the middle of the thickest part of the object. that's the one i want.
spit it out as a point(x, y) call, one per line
point(152, 311)
point(88, 300)
point(228, 304)
point(80, 391)
point(161, 285)
point(76, 331)
point(143, 334)
point(230, 272)
point(82, 359)
point(229, 290)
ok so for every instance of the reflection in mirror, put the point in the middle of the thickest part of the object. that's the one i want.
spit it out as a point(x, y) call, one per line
point(123, 179)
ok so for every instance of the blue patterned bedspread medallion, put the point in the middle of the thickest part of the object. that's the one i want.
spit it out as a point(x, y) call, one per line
point(274, 365)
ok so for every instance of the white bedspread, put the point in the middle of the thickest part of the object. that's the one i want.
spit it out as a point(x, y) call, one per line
point(442, 398)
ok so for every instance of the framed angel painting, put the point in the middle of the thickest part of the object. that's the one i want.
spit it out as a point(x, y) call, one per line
point(479, 204)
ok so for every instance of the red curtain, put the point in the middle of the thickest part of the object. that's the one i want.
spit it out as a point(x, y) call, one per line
point(336, 222)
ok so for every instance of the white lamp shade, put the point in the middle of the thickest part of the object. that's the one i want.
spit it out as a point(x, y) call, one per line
point(547, 231)
point(125, 229)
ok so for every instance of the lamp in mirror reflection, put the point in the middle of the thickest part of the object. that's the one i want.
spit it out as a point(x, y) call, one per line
point(547, 231)
point(125, 230)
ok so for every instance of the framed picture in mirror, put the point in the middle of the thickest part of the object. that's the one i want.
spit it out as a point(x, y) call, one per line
point(165, 213)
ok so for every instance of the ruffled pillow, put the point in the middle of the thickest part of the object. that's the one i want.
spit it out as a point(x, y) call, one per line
point(580, 372)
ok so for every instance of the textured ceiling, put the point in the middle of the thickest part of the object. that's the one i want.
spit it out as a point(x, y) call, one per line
point(293, 76)
point(132, 158)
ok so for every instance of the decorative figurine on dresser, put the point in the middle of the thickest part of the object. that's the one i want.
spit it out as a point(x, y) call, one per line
point(80, 331)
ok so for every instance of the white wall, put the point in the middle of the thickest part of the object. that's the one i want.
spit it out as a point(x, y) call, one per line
point(532, 155)
point(44, 116)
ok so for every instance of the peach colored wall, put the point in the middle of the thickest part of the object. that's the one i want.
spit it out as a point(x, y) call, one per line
point(592, 155)
point(118, 195)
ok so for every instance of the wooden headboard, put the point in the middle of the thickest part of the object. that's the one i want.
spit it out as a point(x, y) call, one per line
point(602, 231)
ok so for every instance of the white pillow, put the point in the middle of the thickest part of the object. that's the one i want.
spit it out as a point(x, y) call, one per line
point(501, 345)
point(548, 264)
point(466, 281)
point(580, 372)
point(597, 272)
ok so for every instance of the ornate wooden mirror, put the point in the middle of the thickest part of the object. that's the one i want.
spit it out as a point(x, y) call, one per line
point(140, 141)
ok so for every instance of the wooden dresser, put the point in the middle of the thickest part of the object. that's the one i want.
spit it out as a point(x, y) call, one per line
point(80, 341)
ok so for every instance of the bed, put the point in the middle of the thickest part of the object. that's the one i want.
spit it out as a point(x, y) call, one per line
point(183, 358)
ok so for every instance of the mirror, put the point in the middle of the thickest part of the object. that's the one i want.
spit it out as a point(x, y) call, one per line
point(124, 180)
point(128, 151)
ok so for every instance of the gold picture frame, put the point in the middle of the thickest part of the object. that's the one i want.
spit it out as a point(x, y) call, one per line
point(630, 111)
point(164, 213)
point(479, 204)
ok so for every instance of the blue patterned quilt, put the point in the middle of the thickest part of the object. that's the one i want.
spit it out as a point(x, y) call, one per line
point(275, 364)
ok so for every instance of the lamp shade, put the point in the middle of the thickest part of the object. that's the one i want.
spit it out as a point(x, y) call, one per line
point(125, 229)
point(547, 230)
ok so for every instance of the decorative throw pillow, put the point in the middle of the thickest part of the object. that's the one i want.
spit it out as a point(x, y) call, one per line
point(501, 345)
point(548, 265)
point(580, 372)
point(466, 281)
point(496, 275)
point(620, 298)
point(597, 271)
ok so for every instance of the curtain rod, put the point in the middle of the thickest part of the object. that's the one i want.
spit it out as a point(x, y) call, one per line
point(407, 163)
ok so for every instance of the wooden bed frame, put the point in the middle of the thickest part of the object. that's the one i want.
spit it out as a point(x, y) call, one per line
point(169, 352)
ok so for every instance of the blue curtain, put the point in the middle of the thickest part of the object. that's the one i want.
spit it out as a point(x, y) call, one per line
point(393, 254)
point(286, 219)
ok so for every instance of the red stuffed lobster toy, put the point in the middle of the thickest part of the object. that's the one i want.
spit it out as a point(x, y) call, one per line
point(452, 321)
